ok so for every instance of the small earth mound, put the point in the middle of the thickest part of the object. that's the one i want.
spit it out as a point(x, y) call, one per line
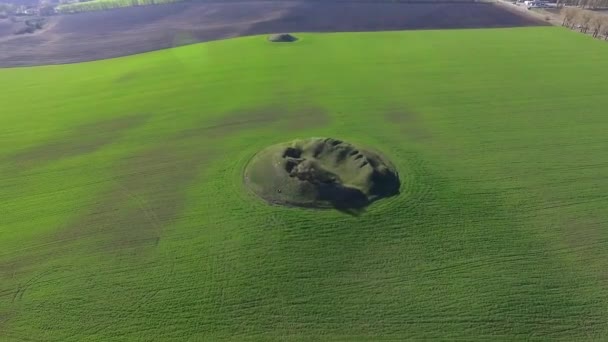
point(321, 173)
point(282, 38)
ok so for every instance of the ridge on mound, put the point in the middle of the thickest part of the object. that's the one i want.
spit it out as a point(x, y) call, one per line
point(282, 38)
point(321, 173)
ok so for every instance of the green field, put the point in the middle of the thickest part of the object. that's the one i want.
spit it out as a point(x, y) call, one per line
point(124, 215)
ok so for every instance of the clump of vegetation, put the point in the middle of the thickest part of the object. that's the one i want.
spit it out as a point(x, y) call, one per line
point(31, 26)
point(100, 5)
point(592, 4)
point(321, 172)
point(282, 38)
point(585, 20)
point(5, 10)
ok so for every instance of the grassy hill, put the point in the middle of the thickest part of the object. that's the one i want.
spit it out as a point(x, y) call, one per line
point(124, 214)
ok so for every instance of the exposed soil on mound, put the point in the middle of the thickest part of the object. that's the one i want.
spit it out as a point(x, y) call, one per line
point(126, 31)
point(282, 38)
point(321, 173)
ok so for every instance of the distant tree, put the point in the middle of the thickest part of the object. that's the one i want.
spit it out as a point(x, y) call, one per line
point(596, 23)
point(46, 10)
point(605, 27)
point(7, 8)
point(584, 17)
point(597, 3)
point(594, 4)
point(35, 24)
point(569, 14)
point(24, 29)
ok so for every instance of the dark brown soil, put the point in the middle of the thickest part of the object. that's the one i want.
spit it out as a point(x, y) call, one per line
point(6, 27)
point(99, 35)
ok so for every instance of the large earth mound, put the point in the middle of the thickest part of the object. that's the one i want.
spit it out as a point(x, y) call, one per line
point(321, 173)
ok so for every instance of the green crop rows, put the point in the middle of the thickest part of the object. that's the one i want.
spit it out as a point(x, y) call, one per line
point(124, 215)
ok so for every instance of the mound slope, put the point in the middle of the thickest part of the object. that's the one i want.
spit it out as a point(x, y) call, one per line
point(282, 38)
point(321, 173)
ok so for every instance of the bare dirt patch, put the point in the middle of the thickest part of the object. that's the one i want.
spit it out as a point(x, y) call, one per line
point(240, 120)
point(99, 35)
point(148, 189)
point(78, 141)
point(147, 195)
point(306, 118)
point(237, 121)
point(409, 123)
point(126, 77)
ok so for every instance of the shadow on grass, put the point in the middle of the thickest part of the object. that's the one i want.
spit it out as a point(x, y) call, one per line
point(353, 201)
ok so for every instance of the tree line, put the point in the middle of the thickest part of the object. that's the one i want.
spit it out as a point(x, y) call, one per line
point(585, 21)
point(591, 4)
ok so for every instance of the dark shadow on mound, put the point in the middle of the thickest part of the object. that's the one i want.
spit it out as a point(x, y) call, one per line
point(322, 173)
point(348, 200)
point(353, 201)
point(282, 38)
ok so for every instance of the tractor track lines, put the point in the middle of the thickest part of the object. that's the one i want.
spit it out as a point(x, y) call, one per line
point(21, 288)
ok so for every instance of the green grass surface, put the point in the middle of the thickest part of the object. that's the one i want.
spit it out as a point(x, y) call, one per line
point(124, 215)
